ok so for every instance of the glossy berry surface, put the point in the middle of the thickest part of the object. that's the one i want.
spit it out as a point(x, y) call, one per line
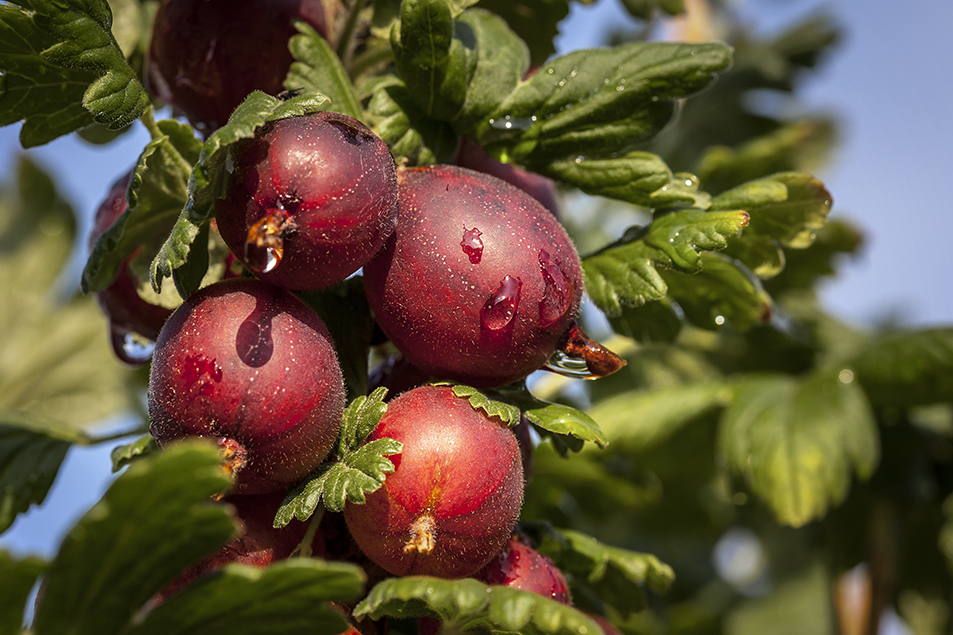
point(452, 501)
point(128, 313)
point(479, 282)
point(311, 199)
point(254, 367)
point(206, 56)
point(519, 566)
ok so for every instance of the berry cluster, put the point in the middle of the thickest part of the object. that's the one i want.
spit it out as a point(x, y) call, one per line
point(470, 279)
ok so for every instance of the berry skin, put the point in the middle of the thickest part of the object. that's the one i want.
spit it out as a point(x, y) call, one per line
point(312, 198)
point(206, 56)
point(128, 313)
point(249, 364)
point(479, 283)
point(519, 566)
point(450, 504)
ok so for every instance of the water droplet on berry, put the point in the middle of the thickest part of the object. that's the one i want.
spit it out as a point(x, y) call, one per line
point(264, 246)
point(472, 245)
point(558, 290)
point(580, 357)
point(498, 311)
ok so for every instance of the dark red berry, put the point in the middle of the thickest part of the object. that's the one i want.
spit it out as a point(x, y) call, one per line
point(455, 493)
point(249, 364)
point(471, 155)
point(519, 566)
point(311, 199)
point(129, 315)
point(206, 56)
point(479, 283)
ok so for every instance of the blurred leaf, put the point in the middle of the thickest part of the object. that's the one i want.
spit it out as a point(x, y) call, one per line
point(18, 577)
point(184, 255)
point(797, 442)
point(616, 575)
point(157, 192)
point(39, 335)
point(639, 419)
point(636, 177)
point(468, 605)
point(62, 70)
point(907, 368)
point(801, 604)
point(536, 22)
point(803, 267)
point(287, 598)
point(647, 9)
point(343, 309)
point(31, 451)
point(597, 103)
point(760, 254)
point(126, 454)
point(154, 521)
point(719, 293)
point(790, 147)
point(318, 69)
point(626, 273)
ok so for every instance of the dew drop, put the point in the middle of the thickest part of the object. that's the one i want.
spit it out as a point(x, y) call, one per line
point(264, 246)
point(472, 245)
point(558, 290)
point(498, 311)
point(130, 347)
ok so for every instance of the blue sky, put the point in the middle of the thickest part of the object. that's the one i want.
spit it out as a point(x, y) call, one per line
point(889, 83)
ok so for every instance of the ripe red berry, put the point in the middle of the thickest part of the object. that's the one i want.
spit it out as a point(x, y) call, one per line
point(521, 567)
point(311, 199)
point(456, 492)
point(129, 315)
point(206, 56)
point(251, 365)
point(479, 283)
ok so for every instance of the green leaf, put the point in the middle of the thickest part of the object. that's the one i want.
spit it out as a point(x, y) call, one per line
point(349, 478)
point(18, 577)
point(344, 310)
point(720, 293)
point(626, 273)
point(763, 256)
point(157, 192)
point(600, 102)
point(792, 219)
point(651, 322)
point(31, 452)
point(154, 521)
point(123, 455)
point(536, 22)
point(510, 415)
point(906, 369)
point(639, 419)
point(640, 178)
point(412, 136)
point(318, 70)
point(286, 598)
point(797, 442)
point(803, 267)
point(646, 9)
point(62, 70)
point(184, 255)
point(467, 604)
point(617, 576)
point(360, 418)
point(568, 427)
point(433, 64)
